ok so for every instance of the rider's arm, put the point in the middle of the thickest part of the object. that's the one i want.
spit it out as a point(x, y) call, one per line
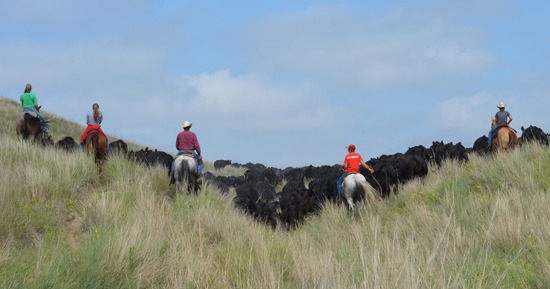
point(344, 166)
point(509, 116)
point(369, 168)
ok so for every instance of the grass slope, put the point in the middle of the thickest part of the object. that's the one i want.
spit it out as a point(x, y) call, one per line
point(483, 224)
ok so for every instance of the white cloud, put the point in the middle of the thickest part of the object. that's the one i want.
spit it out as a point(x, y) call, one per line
point(357, 48)
point(462, 115)
point(256, 103)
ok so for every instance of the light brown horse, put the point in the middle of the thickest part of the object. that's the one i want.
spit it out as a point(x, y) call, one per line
point(96, 143)
point(506, 137)
point(29, 126)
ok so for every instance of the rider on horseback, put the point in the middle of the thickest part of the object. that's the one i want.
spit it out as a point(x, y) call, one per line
point(351, 166)
point(93, 121)
point(187, 142)
point(501, 118)
point(30, 104)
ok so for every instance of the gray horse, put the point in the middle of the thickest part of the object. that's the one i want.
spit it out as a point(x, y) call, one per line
point(185, 174)
point(355, 190)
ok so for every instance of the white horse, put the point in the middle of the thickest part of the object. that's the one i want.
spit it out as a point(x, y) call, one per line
point(355, 189)
point(185, 174)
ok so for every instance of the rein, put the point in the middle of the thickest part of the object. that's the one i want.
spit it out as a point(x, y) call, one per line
point(379, 186)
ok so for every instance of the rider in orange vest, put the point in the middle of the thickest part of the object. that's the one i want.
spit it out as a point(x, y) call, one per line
point(351, 166)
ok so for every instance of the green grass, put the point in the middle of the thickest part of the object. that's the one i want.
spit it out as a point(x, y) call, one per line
point(483, 224)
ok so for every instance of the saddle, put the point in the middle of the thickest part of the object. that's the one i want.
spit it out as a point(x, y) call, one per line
point(187, 155)
point(349, 174)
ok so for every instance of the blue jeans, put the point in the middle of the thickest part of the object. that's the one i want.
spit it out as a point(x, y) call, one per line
point(40, 116)
point(339, 184)
point(195, 155)
point(490, 136)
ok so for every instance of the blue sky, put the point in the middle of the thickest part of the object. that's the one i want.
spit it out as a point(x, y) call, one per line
point(283, 83)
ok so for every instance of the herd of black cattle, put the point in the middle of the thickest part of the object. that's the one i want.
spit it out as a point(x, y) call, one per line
point(280, 197)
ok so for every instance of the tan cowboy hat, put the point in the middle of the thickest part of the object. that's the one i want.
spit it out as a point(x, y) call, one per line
point(501, 105)
point(186, 124)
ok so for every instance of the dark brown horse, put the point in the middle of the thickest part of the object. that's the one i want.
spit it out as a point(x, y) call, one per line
point(29, 126)
point(96, 143)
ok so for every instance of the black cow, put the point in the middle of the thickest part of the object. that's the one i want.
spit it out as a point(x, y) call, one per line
point(138, 156)
point(324, 186)
point(481, 145)
point(220, 164)
point(533, 134)
point(224, 183)
point(293, 174)
point(442, 152)
point(118, 147)
point(421, 151)
point(259, 200)
point(410, 167)
point(161, 158)
point(385, 176)
point(296, 203)
point(67, 144)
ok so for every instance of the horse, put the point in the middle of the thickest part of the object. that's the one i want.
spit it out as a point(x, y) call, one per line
point(506, 137)
point(30, 126)
point(356, 189)
point(185, 174)
point(96, 143)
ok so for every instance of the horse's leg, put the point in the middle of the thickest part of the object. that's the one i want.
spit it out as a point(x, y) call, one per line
point(350, 203)
point(360, 207)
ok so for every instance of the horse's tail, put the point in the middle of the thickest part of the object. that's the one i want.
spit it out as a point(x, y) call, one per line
point(102, 146)
point(99, 145)
point(101, 150)
point(94, 140)
point(514, 140)
point(186, 169)
point(370, 192)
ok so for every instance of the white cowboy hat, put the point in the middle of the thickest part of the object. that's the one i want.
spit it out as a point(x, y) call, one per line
point(186, 124)
point(501, 105)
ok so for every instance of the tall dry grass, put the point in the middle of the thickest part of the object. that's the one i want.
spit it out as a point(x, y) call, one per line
point(481, 224)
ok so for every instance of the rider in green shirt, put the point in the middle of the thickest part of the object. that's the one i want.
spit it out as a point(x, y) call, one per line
point(30, 104)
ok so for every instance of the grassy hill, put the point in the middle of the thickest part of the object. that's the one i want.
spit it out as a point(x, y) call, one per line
point(483, 224)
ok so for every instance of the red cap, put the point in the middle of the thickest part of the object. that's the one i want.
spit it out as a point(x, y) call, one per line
point(351, 147)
